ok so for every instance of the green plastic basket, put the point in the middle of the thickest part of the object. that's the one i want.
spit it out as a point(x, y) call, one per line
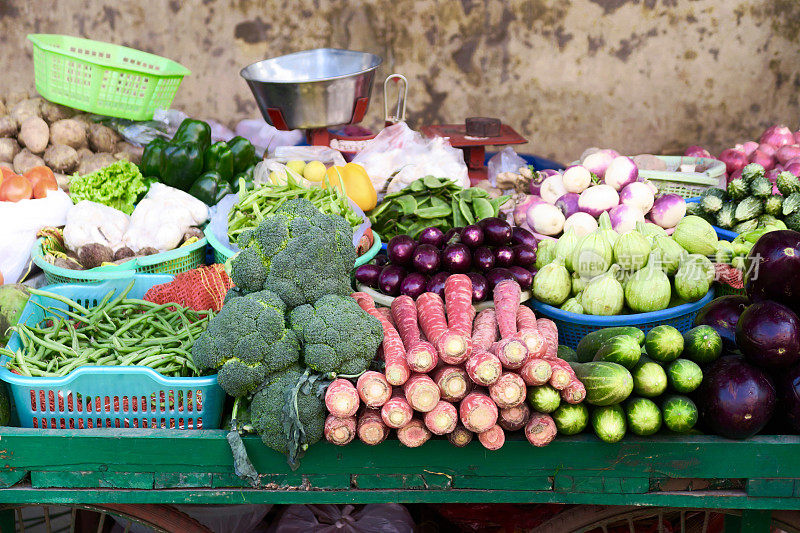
point(685, 184)
point(222, 253)
point(103, 78)
point(171, 262)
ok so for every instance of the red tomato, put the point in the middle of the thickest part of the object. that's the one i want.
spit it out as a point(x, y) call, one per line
point(15, 188)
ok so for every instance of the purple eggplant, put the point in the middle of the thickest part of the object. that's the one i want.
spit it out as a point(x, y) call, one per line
point(436, 283)
point(413, 284)
point(722, 314)
point(401, 250)
point(480, 287)
point(524, 255)
point(787, 384)
point(773, 269)
point(483, 258)
point(504, 256)
point(368, 275)
point(496, 231)
point(433, 236)
point(472, 236)
point(390, 279)
point(426, 259)
point(456, 258)
point(520, 235)
point(768, 334)
point(496, 275)
point(523, 276)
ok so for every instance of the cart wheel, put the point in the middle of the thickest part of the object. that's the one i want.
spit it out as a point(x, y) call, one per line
point(161, 518)
point(591, 518)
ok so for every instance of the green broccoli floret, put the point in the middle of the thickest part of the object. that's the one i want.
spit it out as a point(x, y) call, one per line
point(247, 340)
point(337, 335)
point(298, 253)
point(288, 411)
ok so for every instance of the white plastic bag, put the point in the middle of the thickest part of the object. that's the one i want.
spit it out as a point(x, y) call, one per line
point(276, 162)
point(373, 518)
point(398, 155)
point(506, 160)
point(89, 222)
point(265, 137)
point(19, 222)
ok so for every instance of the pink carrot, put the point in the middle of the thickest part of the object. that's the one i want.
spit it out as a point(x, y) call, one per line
point(453, 383)
point(394, 354)
point(536, 372)
point(341, 398)
point(511, 352)
point(508, 391)
point(514, 418)
point(413, 434)
point(562, 374)
point(420, 355)
point(506, 302)
point(540, 429)
point(483, 368)
point(549, 331)
point(442, 419)
point(484, 331)
point(340, 431)
point(574, 393)
point(387, 314)
point(478, 412)
point(526, 319)
point(430, 310)
point(373, 389)
point(421, 392)
point(371, 429)
point(397, 412)
point(493, 438)
point(364, 300)
point(458, 303)
point(460, 436)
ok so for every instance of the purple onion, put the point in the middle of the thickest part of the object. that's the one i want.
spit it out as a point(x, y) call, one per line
point(401, 249)
point(426, 259)
point(483, 258)
point(368, 275)
point(568, 204)
point(436, 283)
point(480, 287)
point(523, 276)
point(766, 161)
point(413, 285)
point(456, 258)
point(496, 275)
point(504, 256)
point(472, 236)
point(496, 231)
point(433, 236)
point(520, 235)
point(390, 279)
point(524, 255)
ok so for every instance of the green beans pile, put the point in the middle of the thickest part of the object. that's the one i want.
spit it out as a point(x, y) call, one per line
point(117, 331)
point(255, 204)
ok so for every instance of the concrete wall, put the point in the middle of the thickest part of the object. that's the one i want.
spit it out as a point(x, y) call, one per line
point(636, 75)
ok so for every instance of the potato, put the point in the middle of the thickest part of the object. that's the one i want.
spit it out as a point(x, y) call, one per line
point(16, 97)
point(95, 254)
point(8, 149)
point(25, 160)
point(70, 132)
point(8, 126)
point(125, 150)
point(102, 138)
point(61, 158)
point(84, 152)
point(54, 112)
point(63, 181)
point(94, 162)
point(27, 109)
point(34, 134)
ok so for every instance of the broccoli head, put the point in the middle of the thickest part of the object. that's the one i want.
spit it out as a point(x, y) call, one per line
point(337, 335)
point(298, 253)
point(247, 340)
point(288, 411)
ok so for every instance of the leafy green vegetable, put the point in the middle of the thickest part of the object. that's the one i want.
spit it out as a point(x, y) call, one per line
point(117, 185)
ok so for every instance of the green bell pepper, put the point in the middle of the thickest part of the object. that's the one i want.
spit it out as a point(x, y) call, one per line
point(218, 157)
point(248, 176)
point(181, 164)
point(195, 131)
point(150, 165)
point(244, 154)
point(210, 188)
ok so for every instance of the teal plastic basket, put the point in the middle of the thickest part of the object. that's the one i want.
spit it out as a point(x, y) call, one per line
point(572, 327)
point(109, 396)
point(170, 262)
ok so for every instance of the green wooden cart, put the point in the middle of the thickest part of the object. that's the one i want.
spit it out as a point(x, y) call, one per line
point(755, 482)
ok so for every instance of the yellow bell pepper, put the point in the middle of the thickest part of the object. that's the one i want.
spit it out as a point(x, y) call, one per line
point(354, 181)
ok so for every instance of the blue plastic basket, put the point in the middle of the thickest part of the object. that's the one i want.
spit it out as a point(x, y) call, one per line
point(109, 396)
point(572, 327)
point(723, 234)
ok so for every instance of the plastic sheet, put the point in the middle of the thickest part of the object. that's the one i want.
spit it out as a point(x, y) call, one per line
point(373, 518)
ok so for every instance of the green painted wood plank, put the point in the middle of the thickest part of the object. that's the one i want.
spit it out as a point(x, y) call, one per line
point(329, 481)
point(610, 484)
point(228, 480)
point(12, 476)
point(113, 480)
point(749, 522)
point(178, 480)
point(771, 487)
point(503, 483)
point(388, 481)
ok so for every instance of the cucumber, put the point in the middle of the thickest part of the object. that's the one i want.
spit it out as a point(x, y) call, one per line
point(588, 345)
point(679, 413)
point(663, 343)
point(702, 344)
point(622, 349)
point(571, 419)
point(644, 416)
point(567, 354)
point(649, 378)
point(684, 375)
point(544, 398)
point(609, 423)
point(606, 383)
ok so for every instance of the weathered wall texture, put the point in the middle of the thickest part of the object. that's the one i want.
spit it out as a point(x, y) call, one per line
point(637, 75)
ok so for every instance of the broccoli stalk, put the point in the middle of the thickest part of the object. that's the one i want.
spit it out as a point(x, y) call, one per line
point(242, 465)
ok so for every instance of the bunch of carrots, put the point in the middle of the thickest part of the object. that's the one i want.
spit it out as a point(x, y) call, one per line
point(451, 372)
